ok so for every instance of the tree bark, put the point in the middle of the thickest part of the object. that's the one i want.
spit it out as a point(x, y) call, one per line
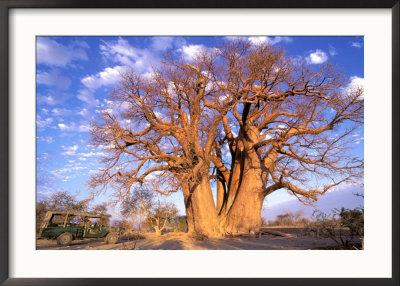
point(245, 213)
point(200, 208)
point(244, 208)
point(188, 207)
point(157, 231)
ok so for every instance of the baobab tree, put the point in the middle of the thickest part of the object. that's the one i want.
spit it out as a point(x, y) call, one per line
point(243, 119)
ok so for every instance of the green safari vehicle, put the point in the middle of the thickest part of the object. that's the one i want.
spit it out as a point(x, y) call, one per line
point(68, 226)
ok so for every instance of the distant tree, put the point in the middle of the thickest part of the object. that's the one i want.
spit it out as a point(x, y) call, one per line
point(102, 209)
point(162, 213)
point(248, 116)
point(64, 201)
point(290, 219)
point(137, 206)
point(263, 221)
point(150, 211)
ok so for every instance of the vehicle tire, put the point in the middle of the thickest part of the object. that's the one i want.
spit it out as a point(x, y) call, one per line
point(64, 239)
point(111, 238)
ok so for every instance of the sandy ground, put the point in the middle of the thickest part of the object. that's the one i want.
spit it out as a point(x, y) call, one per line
point(182, 241)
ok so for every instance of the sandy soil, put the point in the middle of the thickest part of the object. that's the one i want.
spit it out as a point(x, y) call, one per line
point(182, 241)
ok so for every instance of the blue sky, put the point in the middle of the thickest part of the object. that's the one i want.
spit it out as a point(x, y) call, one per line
point(75, 75)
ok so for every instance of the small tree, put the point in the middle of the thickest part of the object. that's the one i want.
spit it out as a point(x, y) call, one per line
point(102, 210)
point(137, 206)
point(149, 212)
point(63, 201)
point(162, 213)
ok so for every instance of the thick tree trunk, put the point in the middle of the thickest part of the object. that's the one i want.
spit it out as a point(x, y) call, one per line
point(236, 175)
point(245, 213)
point(200, 208)
point(239, 209)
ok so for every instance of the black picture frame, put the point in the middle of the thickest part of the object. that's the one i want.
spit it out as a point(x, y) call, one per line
point(6, 5)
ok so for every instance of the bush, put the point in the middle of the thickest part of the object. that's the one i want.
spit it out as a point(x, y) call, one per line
point(354, 220)
point(181, 224)
point(342, 226)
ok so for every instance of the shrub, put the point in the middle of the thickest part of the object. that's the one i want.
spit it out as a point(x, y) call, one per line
point(342, 226)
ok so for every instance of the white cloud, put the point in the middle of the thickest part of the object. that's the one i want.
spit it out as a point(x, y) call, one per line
point(258, 40)
point(63, 127)
point(232, 38)
point(52, 98)
point(356, 81)
point(281, 128)
point(73, 127)
point(47, 139)
point(87, 96)
point(92, 172)
point(69, 150)
point(356, 45)
point(317, 57)
point(107, 111)
point(269, 40)
point(121, 47)
point(41, 124)
point(189, 52)
point(52, 53)
point(82, 156)
point(354, 84)
point(48, 99)
point(84, 128)
point(108, 76)
point(277, 40)
point(122, 52)
point(85, 113)
point(109, 147)
point(332, 51)
point(161, 43)
point(61, 112)
point(92, 154)
point(53, 78)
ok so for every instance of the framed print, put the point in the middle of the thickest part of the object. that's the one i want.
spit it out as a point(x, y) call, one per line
point(214, 145)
